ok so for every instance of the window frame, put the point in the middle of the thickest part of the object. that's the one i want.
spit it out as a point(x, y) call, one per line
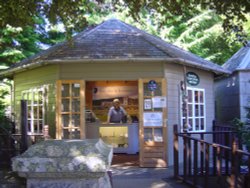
point(194, 117)
point(31, 104)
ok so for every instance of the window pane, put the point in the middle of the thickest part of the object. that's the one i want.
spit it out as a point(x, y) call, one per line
point(201, 110)
point(35, 99)
point(197, 124)
point(40, 112)
point(190, 110)
point(76, 105)
point(202, 124)
point(40, 97)
point(148, 134)
point(196, 96)
point(40, 126)
point(201, 97)
point(75, 134)
point(65, 105)
point(158, 135)
point(30, 113)
point(65, 134)
point(65, 120)
point(190, 96)
point(196, 108)
point(35, 112)
point(75, 120)
point(75, 90)
point(35, 126)
point(65, 90)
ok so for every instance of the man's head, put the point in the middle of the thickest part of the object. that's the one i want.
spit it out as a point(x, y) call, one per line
point(116, 102)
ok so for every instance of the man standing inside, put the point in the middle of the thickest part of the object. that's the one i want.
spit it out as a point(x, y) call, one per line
point(116, 113)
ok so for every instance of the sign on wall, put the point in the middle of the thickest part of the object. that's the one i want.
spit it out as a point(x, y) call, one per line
point(192, 78)
point(152, 119)
point(110, 92)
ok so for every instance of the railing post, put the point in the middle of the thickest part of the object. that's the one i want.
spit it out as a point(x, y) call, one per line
point(227, 153)
point(234, 175)
point(214, 135)
point(202, 155)
point(24, 125)
point(189, 156)
point(206, 165)
point(195, 162)
point(185, 158)
point(218, 164)
point(176, 152)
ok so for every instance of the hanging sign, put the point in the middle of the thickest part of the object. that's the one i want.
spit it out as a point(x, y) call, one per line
point(152, 85)
point(192, 78)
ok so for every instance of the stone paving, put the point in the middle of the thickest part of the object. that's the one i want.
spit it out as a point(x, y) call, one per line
point(136, 177)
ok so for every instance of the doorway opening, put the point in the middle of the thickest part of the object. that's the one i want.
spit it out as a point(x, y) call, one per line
point(124, 137)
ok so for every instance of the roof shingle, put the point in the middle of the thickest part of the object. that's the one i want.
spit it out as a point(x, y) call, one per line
point(117, 40)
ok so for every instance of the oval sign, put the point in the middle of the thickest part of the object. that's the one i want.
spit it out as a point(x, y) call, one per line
point(152, 85)
point(192, 78)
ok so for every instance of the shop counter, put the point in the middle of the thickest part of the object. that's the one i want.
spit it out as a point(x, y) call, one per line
point(124, 137)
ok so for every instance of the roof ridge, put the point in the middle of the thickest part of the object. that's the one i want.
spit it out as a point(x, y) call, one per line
point(233, 59)
point(144, 38)
point(245, 61)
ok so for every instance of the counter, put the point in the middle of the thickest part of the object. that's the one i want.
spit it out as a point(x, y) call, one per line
point(124, 137)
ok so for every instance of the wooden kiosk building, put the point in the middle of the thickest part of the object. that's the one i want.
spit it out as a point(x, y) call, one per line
point(71, 86)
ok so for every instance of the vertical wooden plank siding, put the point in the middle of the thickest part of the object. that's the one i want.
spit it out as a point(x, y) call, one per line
point(36, 78)
point(82, 109)
point(141, 133)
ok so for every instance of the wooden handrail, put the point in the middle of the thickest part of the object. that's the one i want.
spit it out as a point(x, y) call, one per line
point(192, 146)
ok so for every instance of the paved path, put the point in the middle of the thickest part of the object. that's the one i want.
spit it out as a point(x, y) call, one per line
point(135, 177)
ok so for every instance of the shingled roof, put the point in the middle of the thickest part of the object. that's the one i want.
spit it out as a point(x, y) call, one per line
point(114, 40)
point(240, 60)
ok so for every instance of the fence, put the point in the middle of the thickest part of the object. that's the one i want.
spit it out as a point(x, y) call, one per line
point(206, 164)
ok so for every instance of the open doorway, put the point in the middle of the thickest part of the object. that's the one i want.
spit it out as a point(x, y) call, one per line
point(124, 136)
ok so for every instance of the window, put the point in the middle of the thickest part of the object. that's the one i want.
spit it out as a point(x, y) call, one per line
point(195, 110)
point(70, 105)
point(35, 102)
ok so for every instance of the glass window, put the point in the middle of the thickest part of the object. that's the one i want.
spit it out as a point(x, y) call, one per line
point(70, 109)
point(195, 110)
point(35, 102)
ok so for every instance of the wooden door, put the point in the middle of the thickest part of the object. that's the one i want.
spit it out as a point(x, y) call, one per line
point(153, 116)
point(70, 109)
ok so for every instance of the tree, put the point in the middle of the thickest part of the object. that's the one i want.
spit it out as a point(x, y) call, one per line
point(73, 14)
point(233, 12)
point(17, 43)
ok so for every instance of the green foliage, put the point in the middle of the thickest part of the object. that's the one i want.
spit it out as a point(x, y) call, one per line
point(233, 12)
point(16, 44)
point(3, 93)
point(243, 132)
